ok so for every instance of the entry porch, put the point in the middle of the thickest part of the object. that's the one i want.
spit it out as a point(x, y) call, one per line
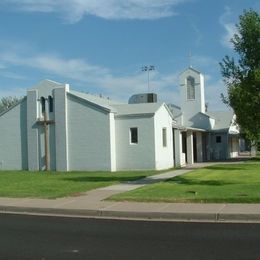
point(190, 146)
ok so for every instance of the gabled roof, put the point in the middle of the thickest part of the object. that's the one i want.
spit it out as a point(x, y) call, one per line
point(223, 119)
point(47, 83)
point(175, 110)
point(120, 109)
point(190, 68)
point(95, 100)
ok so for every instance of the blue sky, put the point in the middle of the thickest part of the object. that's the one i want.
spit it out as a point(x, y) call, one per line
point(99, 46)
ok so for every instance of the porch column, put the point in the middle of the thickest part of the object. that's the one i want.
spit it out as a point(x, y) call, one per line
point(229, 147)
point(208, 147)
point(178, 147)
point(190, 157)
point(199, 147)
point(253, 150)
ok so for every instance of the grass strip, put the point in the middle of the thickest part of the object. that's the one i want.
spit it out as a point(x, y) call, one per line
point(20, 184)
point(223, 183)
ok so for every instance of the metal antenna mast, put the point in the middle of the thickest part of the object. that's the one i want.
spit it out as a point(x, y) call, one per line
point(190, 56)
point(148, 69)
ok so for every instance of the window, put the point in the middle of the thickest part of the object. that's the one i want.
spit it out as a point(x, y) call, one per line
point(43, 104)
point(164, 137)
point(190, 88)
point(133, 135)
point(218, 139)
point(50, 99)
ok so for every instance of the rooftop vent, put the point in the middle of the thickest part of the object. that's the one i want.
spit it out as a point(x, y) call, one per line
point(143, 98)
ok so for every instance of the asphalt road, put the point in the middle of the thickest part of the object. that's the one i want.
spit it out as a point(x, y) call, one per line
point(37, 237)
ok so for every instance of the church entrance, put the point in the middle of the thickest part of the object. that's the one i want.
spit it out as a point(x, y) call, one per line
point(184, 145)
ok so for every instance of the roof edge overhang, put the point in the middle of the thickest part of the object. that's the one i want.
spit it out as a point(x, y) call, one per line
point(204, 114)
point(92, 103)
point(223, 130)
point(167, 108)
point(10, 108)
point(190, 68)
point(135, 115)
point(197, 129)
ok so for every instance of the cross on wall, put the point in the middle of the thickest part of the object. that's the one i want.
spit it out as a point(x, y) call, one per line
point(45, 122)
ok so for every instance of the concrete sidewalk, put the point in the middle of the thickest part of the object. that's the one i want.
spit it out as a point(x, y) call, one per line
point(92, 204)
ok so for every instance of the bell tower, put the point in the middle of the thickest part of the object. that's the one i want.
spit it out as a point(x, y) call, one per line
point(192, 93)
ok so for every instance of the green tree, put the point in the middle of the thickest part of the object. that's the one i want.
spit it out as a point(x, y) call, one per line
point(242, 75)
point(7, 102)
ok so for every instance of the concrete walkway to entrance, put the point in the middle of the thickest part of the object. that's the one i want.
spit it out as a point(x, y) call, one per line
point(92, 204)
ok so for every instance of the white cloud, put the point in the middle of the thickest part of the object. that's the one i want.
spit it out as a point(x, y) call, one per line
point(73, 10)
point(12, 75)
point(229, 26)
point(203, 61)
point(71, 68)
point(198, 34)
point(213, 93)
point(230, 31)
point(98, 79)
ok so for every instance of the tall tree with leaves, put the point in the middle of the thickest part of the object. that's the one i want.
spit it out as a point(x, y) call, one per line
point(242, 75)
point(7, 102)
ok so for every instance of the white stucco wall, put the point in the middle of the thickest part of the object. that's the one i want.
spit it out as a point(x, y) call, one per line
point(178, 147)
point(61, 128)
point(190, 144)
point(32, 130)
point(135, 156)
point(163, 155)
point(13, 139)
point(212, 122)
point(88, 136)
point(112, 141)
point(35, 129)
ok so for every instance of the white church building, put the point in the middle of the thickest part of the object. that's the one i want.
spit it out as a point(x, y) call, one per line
point(56, 128)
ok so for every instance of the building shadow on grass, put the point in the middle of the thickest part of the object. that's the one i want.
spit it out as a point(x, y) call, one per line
point(255, 159)
point(180, 180)
point(228, 167)
point(104, 178)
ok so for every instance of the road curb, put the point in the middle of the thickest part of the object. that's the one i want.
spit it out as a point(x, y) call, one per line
point(49, 211)
point(252, 217)
point(175, 216)
point(162, 216)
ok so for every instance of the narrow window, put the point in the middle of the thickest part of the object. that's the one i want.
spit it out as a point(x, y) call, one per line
point(43, 104)
point(164, 137)
point(50, 99)
point(133, 135)
point(218, 139)
point(190, 88)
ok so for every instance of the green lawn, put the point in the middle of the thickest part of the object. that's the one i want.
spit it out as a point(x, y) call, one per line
point(53, 185)
point(233, 183)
